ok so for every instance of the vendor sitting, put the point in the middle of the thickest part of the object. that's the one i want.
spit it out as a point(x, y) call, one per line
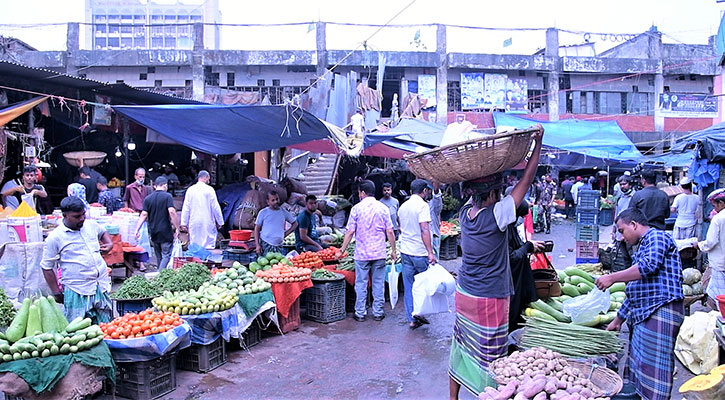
point(306, 235)
point(76, 246)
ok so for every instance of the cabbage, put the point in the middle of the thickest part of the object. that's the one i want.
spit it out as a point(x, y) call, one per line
point(687, 290)
point(691, 276)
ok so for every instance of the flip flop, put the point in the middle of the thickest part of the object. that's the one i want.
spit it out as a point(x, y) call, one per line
point(421, 320)
point(415, 325)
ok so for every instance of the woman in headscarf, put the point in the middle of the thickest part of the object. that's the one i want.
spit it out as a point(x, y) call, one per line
point(484, 279)
point(714, 246)
point(520, 261)
point(79, 191)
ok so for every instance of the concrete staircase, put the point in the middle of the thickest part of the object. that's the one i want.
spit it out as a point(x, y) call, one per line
point(318, 176)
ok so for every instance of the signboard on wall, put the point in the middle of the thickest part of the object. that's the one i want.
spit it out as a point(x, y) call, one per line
point(495, 94)
point(516, 95)
point(427, 89)
point(472, 90)
point(688, 105)
point(102, 114)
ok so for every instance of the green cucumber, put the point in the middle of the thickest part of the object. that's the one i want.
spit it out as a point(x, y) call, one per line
point(54, 350)
point(543, 307)
point(608, 317)
point(584, 288)
point(17, 328)
point(561, 274)
point(570, 290)
point(34, 354)
point(576, 280)
point(617, 287)
point(572, 271)
point(65, 348)
point(45, 353)
point(562, 298)
point(17, 356)
point(541, 315)
point(594, 322)
point(554, 304)
point(25, 355)
point(78, 324)
point(614, 306)
point(5, 348)
point(34, 324)
point(7, 357)
point(74, 349)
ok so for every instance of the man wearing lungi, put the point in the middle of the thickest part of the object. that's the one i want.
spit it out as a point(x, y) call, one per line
point(484, 279)
point(654, 305)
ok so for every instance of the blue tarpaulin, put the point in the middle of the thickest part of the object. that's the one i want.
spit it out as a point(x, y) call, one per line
point(599, 139)
point(220, 129)
point(712, 143)
point(413, 135)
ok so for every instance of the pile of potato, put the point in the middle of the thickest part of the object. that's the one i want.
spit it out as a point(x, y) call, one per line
point(539, 374)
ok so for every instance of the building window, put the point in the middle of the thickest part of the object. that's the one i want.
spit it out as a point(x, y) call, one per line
point(275, 82)
point(127, 42)
point(126, 29)
point(537, 101)
point(157, 42)
point(211, 78)
point(119, 81)
point(170, 43)
point(151, 70)
point(230, 79)
point(454, 96)
point(101, 28)
point(638, 103)
point(260, 82)
point(142, 76)
point(100, 43)
point(113, 28)
point(158, 83)
point(113, 42)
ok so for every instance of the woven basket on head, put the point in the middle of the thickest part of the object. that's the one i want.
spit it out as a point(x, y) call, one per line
point(473, 158)
point(608, 382)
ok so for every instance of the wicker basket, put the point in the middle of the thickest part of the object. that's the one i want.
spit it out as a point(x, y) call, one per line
point(602, 377)
point(84, 158)
point(472, 159)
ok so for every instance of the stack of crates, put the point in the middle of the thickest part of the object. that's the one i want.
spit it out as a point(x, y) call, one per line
point(587, 226)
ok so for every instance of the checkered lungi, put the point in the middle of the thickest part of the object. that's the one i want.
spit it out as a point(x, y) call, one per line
point(652, 351)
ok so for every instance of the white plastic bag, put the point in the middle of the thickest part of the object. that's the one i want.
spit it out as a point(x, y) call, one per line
point(393, 276)
point(585, 308)
point(177, 250)
point(432, 290)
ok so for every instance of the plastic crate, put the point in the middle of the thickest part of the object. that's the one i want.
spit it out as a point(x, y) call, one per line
point(243, 258)
point(202, 357)
point(587, 260)
point(252, 336)
point(606, 217)
point(588, 250)
point(587, 217)
point(588, 199)
point(132, 306)
point(350, 298)
point(449, 248)
point(325, 301)
point(146, 380)
point(292, 321)
point(587, 233)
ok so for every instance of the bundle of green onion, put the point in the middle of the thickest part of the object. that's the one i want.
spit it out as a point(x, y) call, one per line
point(569, 340)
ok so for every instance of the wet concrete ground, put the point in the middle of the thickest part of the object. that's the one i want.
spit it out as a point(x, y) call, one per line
point(350, 359)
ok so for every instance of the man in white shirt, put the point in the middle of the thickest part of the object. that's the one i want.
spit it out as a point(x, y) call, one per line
point(575, 189)
point(416, 249)
point(685, 205)
point(714, 245)
point(76, 246)
point(201, 213)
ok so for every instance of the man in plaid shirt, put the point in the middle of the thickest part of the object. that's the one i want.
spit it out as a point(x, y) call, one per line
point(654, 305)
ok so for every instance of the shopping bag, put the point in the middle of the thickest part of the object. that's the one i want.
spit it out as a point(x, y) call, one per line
point(176, 251)
point(432, 290)
point(393, 276)
point(584, 308)
point(144, 240)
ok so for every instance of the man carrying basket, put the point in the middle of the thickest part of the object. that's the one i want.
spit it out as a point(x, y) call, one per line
point(484, 280)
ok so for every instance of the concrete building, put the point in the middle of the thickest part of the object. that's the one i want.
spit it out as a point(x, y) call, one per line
point(137, 24)
point(625, 83)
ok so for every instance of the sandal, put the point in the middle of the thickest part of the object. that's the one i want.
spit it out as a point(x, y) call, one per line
point(415, 325)
point(421, 320)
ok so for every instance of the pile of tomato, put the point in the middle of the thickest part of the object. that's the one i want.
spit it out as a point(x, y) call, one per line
point(331, 253)
point(307, 259)
point(145, 323)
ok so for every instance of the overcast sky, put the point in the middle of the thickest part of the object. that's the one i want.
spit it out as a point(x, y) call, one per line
point(690, 21)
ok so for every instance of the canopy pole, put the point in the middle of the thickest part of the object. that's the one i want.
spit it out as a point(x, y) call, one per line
point(125, 148)
point(607, 180)
point(261, 164)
